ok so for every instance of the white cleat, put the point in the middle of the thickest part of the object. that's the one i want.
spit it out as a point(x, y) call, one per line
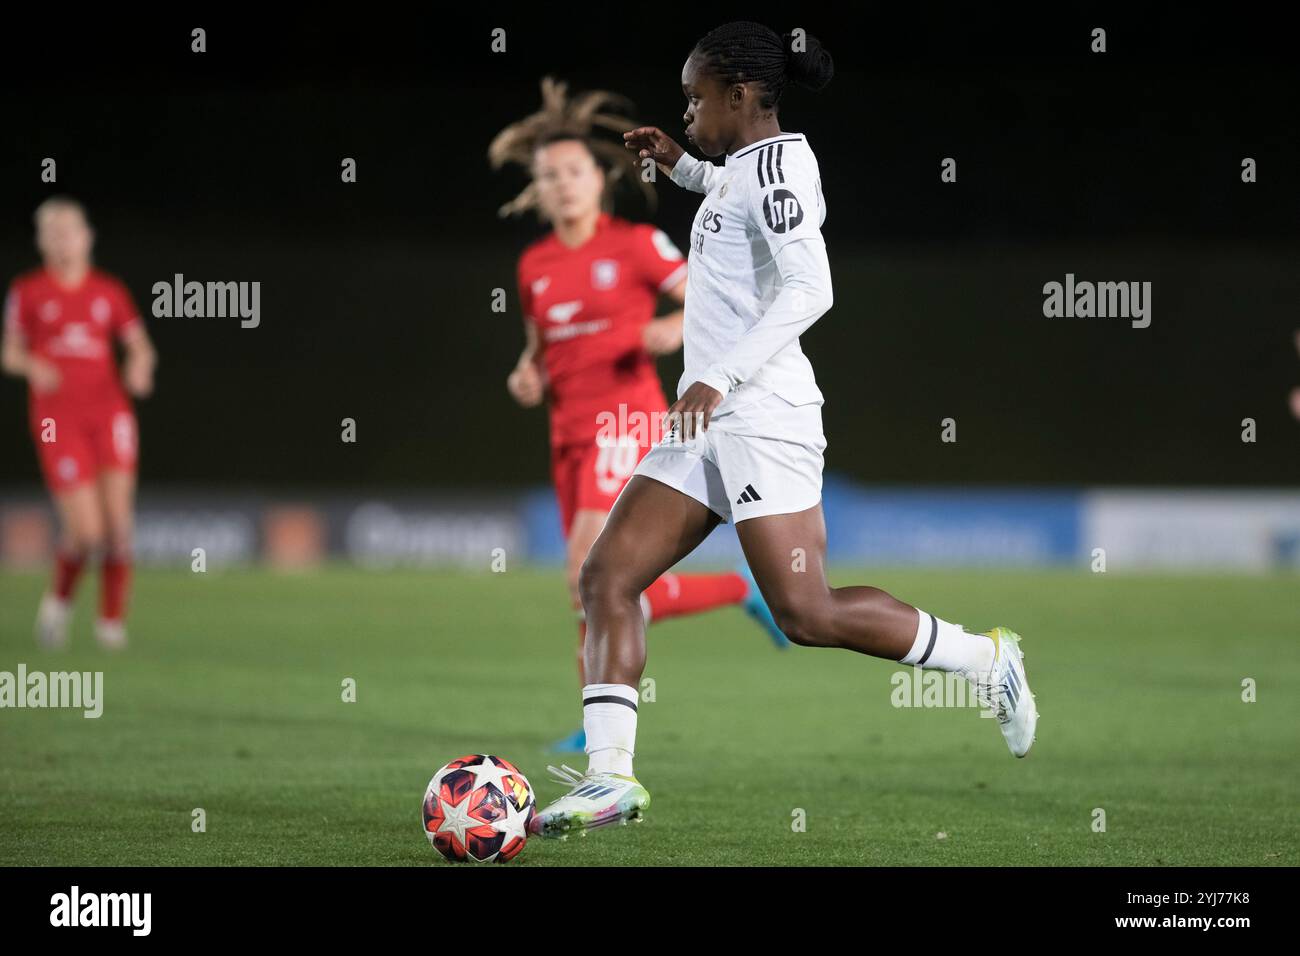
point(52, 622)
point(1005, 691)
point(595, 800)
point(110, 634)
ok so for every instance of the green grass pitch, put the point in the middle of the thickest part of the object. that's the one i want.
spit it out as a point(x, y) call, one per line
point(229, 699)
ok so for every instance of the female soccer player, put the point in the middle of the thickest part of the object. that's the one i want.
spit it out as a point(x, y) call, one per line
point(59, 325)
point(747, 444)
point(588, 291)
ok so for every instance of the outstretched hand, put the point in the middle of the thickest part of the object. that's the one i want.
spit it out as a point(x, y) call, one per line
point(650, 142)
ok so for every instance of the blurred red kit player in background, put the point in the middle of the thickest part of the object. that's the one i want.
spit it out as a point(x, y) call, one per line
point(60, 325)
point(589, 310)
point(588, 292)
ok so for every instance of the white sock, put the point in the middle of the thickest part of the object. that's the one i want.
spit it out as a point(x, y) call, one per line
point(948, 647)
point(609, 718)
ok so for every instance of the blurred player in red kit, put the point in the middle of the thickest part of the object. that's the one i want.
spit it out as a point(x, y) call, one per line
point(588, 292)
point(60, 323)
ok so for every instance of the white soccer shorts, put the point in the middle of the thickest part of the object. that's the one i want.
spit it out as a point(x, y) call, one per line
point(762, 459)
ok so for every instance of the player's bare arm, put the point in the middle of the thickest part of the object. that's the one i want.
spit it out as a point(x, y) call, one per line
point(663, 336)
point(526, 382)
point(141, 360)
point(19, 362)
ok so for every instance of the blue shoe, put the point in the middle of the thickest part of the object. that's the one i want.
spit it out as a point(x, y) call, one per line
point(757, 608)
point(575, 743)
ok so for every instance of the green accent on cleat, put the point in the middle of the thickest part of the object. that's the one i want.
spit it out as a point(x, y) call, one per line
point(594, 800)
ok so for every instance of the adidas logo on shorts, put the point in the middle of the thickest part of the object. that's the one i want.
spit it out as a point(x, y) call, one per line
point(748, 496)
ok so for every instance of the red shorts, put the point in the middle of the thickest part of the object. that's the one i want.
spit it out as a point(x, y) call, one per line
point(75, 446)
point(590, 476)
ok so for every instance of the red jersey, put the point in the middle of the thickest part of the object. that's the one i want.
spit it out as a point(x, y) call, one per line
point(590, 306)
point(73, 329)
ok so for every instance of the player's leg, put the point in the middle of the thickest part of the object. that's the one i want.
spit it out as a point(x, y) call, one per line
point(651, 528)
point(669, 595)
point(81, 535)
point(81, 522)
point(568, 466)
point(584, 527)
point(787, 553)
point(115, 443)
point(770, 459)
point(116, 489)
point(677, 594)
point(583, 532)
point(672, 594)
point(67, 461)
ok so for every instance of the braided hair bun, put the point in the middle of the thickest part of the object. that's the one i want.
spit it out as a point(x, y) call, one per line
point(806, 60)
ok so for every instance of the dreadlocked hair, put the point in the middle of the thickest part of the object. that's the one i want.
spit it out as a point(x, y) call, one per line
point(747, 52)
point(570, 118)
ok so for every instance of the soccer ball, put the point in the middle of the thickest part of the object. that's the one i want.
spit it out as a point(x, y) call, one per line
point(478, 808)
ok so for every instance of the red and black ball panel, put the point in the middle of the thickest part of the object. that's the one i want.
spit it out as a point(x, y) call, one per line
point(460, 819)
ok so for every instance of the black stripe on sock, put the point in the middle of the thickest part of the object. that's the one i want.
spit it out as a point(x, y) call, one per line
point(609, 699)
point(934, 635)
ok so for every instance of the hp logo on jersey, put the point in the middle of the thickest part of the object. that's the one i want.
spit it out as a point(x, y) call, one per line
point(782, 211)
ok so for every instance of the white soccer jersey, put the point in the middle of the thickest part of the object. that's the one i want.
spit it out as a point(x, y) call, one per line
point(757, 273)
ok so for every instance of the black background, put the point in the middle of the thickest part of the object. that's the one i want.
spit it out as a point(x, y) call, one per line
point(376, 295)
